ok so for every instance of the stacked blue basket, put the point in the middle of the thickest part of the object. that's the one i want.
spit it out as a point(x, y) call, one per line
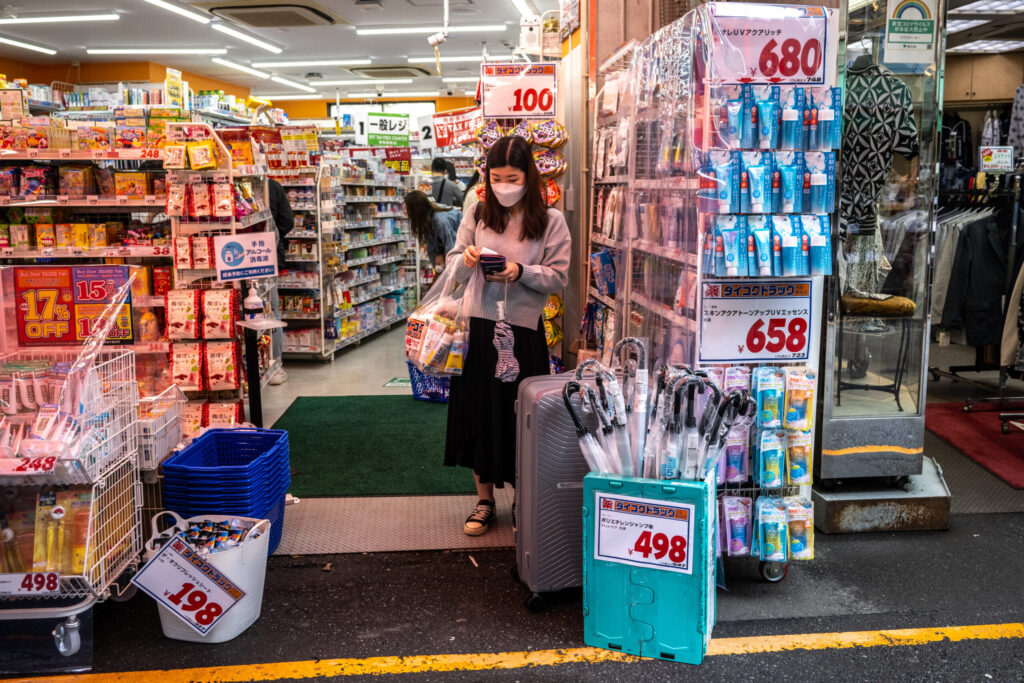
point(243, 472)
point(427, 388)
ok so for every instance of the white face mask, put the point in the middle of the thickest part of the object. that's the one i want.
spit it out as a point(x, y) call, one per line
point(508, 194)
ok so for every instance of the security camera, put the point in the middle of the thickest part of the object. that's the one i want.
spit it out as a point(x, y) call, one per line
point(449, 92)
point(438, 39)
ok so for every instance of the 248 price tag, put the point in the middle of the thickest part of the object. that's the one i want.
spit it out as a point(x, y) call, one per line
point(23, 466)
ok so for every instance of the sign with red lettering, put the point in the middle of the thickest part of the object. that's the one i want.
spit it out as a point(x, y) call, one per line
point(65, 305)
point(457, 127)
point(518, 90)
point(398, 159)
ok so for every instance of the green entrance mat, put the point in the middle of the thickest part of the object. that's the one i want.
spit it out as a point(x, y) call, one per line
point(369, 446)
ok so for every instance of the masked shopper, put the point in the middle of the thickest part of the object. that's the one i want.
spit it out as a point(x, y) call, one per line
point(514, 221)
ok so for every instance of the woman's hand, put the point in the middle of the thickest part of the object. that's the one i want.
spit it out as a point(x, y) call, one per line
point(510, 274)
point(471, 256)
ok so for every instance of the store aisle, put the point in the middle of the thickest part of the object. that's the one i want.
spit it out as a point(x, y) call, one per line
point(362, 371)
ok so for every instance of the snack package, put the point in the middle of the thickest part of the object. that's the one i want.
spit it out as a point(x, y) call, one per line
point(130, 137)
point(174, 156)
point(187, 364)
point(192, 414)
point(93, 137)
point(799, 457)
point(81, 235)
point(800, 518)
point(489, 133)
point(65, 235)
point(551, 191)
point(550, 163)
point(549, 133)
point(97, 235)
point(202, 252)
point(46, 236)
point(183, 253)
point(176, 200)
point(162, 281)
point(223, 200)
point(524, 130)
point(799, 412)
point(223, 414)
point(105, 182)
point(131, 184)
point(182, 313)
point(202, 155)
point(220, 312)
point(737, 513)
point(769, 384)
point(200, 203)
point(76, 181)
point(35, 181)
point(222, 365)
point(9, 181)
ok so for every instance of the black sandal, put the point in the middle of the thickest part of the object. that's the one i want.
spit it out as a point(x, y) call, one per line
point(480, 521)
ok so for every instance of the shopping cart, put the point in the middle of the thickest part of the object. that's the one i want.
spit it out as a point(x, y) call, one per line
point(427, 388)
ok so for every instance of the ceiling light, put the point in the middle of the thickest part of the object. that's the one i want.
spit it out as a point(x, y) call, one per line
point(27, 46)
point(862, 45)
point(396, 30)
point(859, 4)
point(990, 7)
point(157, 51)
point(957, 25)
point(989, 46)
point(241, 67)
point(388, 95)
point(252, 40)
point(288, 97)
point(366, 82)
point(55, 18)
point(463, 58)
point(460, 79)
point(178, 9)
point(320, 62)
point(523, 8)
point(292, 84)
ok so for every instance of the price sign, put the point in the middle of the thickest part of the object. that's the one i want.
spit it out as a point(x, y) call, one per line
point(99, 153)
point(188, 586)
point(518, 90)
point(122, 199)
point(457, 127)
point(92, 200)
point(30, 583)
point(996, 159)
point(63, 199)
point(644, 533)
point(195, 178)
point(150, 199)
point(64, 153)
point(220, 177)
point(21, 466)
point(149, 154)
point(758, 320)
point(32, 153)
point(777, 44)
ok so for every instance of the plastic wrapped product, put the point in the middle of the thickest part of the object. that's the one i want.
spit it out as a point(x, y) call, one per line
point(192, 414)
point(182, 307)
point(183, 253)
point(553, 307)
point(737, 515)
point(202, 252)
point(799, 457)
point(800, 519)
point(819, 232)
point(523, 130)
point(799, 412)
point(202, 155)
point(772, 530)
point(549, 133)
point(223, 200)
point(769, 384)
point(174, 156)
point(222, 365)
point(220, 313)
point(489, 133)
point(550, 163)
point(200, 202)
point(186, 366)
point(770, 458)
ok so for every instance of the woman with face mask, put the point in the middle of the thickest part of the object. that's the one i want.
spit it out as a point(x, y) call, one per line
point(514, 221)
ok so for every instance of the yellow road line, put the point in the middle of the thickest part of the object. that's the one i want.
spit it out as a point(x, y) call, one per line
point(517, 660)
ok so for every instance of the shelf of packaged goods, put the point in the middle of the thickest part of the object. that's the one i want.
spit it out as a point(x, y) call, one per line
point(336, 182)
point(134, 251)
point(611, 181)
point(357, 226)
point(680, 183)
point(298, 185)
point(80, 155)
point(597, 238)
point(598, 296)
point(348, 341)
point(299, 288)
point(148, 202)
point(358, 199)
point(221, 116)
point(289, 259)
point(242, 171)
point(149, 301)
point(227, 224)
point(303, 352)
point(391, 259)
point(664, 311)
point(378, 295)
point(376, 243)
point(304, 207)
point(299, 170)
point(297, 316)
point(364, 281)
point(390, 215)
point(151, 347)
point(677, 255)
point(302, 235)
point(274, 366)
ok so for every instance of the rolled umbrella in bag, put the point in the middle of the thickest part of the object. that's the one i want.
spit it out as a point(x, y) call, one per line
point(594, 455)
point(638, 418)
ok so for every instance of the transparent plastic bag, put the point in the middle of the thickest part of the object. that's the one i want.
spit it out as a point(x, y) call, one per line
point(437, 333)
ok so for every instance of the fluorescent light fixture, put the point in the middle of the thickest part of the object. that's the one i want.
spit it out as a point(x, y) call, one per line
point(288, 97)
point(989, 46)
point(27, 46)
point(389, 95)
point(366, 81)
point(859, 4)
point(318, 62)
point(463, 58)
point(460, 79)
point(427, 30)
point(990, 7)
point(241, 67)
point(523, 8)
point(292, 84)
point(957, 25)
point(57, 18)
point(157, 51)
point(183, 11)
point(862, 45)
point(252, 40)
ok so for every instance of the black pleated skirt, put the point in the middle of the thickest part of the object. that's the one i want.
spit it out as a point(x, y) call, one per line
point(481, 408)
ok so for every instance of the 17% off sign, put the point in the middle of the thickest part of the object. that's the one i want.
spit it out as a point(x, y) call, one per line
point(518, 90)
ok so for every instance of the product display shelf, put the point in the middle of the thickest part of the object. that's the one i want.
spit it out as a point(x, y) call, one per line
point(96, 480)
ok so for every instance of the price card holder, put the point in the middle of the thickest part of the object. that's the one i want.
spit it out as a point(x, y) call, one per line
point(29, 584)
point(655, 541)
point(122, 200)
point(195, 178)
point(150, 200)
point(63, 199)
point(5, 200)
point(63, 153)
point(92, 200)
point(18, 467)
point(32, 153)
point(220, 177)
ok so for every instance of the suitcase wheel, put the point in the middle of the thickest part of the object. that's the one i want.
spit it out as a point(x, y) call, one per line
point(534, 602)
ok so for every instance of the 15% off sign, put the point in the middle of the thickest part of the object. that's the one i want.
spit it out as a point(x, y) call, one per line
point(644, 533)
point(518, 90)
point(188, 586)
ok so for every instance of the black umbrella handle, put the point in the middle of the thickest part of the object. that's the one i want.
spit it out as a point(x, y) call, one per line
point(568, 390)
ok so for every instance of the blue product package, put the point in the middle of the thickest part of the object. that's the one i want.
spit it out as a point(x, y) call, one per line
point(744, 190)
point(776, 222)
point(821, 174)
point(749, 122)
point(795, 246)
point(770, 386)
point(828, 103)
point(757, 168)
point(772, 530)
point(732, 231)
point(791, 182)
point(771, 458)
point(766, 103)
point(734, 116)
point(819, 232)
point(726, 167)
point(603, 265)
point(708, 253)
point(751, 249)
point(808, 109)
point(791, 137)
point(760, 231)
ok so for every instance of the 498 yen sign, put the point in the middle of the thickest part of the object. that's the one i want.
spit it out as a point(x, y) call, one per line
point(644, 533)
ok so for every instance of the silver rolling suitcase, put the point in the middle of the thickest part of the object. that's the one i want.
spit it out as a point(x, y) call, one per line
point(549, 490)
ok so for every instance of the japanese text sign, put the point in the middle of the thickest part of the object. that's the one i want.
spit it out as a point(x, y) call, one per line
point(457, 127)
point(518, 90)
point(65, 304)
point(768, 43)
point(398, 159)
point(246, 256)
point(387, 130)
point(644, 533)
point(757, 320)
point(910, 31)
point(188, 586)
point(996, 159)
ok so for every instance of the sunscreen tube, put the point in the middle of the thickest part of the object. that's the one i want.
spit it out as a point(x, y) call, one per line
point(733, 233)
point(818, 229)
point(759, 189)
point(792, 189)
point(734, 116)
point(726, 186)
point(771, 456)
point(768, 123)
point(760, 231)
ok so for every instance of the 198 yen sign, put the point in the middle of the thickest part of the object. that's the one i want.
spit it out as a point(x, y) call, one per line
point(518, 90)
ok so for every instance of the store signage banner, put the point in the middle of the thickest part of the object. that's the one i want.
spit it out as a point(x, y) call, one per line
point(64, 305)
point(246, 256)
point(398, 159)
point(745, 321)
point(387, 130)
point(425, 125)
point(518, 90)
point(569, 17)
point(769, 43)
point(910, 32)
point(457, 127)
point(996, 159)
point(188, 586)
point(644, 533)
point(174, 89)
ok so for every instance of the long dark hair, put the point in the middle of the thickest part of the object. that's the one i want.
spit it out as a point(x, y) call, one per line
point(514, 151)
point(420, 209)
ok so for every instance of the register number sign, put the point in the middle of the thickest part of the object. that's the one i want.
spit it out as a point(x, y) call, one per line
point(64, 305)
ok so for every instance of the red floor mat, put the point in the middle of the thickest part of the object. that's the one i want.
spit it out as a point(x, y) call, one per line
point(978, 436)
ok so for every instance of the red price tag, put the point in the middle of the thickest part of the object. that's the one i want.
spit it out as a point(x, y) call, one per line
point(659, 545)
point(31, 583)
point(790, 58)
point(518, 90)
point(150, 154)
point(113, 154)
point(777, 334)
point(644, 532)
point(782, 44)
point(23, 466)
point(161, 251)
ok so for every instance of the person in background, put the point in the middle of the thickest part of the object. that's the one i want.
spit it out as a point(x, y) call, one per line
point(512, 220)
point(434, 225)
point(469, 203)
point(453, 176)
point(442, 190)
point(284, 223)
